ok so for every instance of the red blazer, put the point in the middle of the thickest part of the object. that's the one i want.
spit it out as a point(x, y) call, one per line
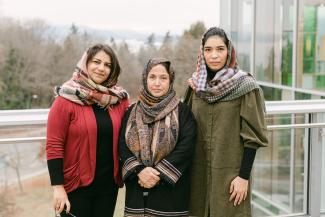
point(72, 135)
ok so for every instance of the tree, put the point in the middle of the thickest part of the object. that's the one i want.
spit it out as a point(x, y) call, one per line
point(131, 70)
point(113, 43)
point(33, 60)
point(151, 40)
point(166, 48)
point(185, 57)
point(13, 95)
point(73, 29)
point(196, 30)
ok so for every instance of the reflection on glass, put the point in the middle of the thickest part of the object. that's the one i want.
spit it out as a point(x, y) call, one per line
point(313, 45)
point(274, 38)
point(239, 25)
point(273, 189)
point(244, 36)
point(272, 94)
point(287, 42)
point(286, 60)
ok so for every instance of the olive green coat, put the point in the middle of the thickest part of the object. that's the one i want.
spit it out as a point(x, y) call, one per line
point(224, 129)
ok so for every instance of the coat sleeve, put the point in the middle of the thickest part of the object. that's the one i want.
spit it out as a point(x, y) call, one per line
point(57, 128)
point(179, 160)
point(253, 126)
point(129, 164)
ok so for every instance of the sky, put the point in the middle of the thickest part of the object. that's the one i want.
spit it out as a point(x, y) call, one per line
point(140, 15)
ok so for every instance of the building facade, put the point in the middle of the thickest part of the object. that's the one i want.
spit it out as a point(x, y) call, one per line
point(282, 42)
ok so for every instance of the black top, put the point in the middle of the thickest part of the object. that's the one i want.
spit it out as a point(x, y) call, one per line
point(247, 163)
point(210, 74)
point(170, 197)
point(104, 174)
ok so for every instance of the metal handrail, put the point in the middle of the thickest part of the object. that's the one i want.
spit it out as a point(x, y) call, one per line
point(23, 117)
point(269, 127)
point(295, 107)
point(295, 126)
point(22, 139)
point(294, 89)
point(39, 116)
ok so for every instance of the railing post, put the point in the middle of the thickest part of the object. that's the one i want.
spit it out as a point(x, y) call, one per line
point(315, 159)
point(292, 189)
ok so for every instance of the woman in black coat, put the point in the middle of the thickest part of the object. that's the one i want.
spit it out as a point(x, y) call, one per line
point(156, 147)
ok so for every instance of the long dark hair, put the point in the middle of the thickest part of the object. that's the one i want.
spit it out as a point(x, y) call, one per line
point(115, 65)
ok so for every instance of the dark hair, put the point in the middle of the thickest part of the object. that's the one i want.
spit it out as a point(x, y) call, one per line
point(215, 31)
point(115, 65)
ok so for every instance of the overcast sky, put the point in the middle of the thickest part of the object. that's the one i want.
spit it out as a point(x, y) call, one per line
point(141, 15)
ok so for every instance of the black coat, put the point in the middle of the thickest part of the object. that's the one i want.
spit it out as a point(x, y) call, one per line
point(170, 197)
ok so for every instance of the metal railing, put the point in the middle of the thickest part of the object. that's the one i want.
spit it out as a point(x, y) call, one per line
point(314, 128)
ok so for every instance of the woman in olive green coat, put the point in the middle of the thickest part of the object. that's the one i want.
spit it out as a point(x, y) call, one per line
point(229, 107)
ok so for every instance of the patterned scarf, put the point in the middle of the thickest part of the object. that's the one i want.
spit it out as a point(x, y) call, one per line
point(229, 83)
point(152, 128)
point(82, 90)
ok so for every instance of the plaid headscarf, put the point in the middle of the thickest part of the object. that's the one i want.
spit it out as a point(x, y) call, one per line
point(82, 90)
point(152, 127)
point(229, 83)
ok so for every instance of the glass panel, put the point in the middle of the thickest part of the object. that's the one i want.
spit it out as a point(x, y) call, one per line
point(274, 38)
point(286, 41)
point(272, 94)
point(320, 64)
point(312, 71)
point(24, 181)
point(241, 33)
point(22, 131)
point(264, 53)
point(236, 18)
point(274, 193)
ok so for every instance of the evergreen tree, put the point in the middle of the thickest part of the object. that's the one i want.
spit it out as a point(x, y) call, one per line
point(166, 49)
point(151, 40)
point(196, 30)
point(13, 96)
point(113, 44)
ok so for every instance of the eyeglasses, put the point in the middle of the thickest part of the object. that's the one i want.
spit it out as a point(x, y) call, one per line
point(69, 213)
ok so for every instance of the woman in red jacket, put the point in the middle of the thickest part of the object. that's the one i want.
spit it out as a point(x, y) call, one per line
point(82, 134)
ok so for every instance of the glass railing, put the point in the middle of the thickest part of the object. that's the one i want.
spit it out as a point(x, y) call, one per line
point(24, 181)
point(287, 175)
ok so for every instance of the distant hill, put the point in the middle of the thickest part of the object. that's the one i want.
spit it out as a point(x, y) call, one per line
point(120, 35)
point(133, 38)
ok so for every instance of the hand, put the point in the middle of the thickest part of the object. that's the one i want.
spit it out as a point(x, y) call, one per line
point(60, 198)
point(238, 190)
point(148, 177)
point(191, 83)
